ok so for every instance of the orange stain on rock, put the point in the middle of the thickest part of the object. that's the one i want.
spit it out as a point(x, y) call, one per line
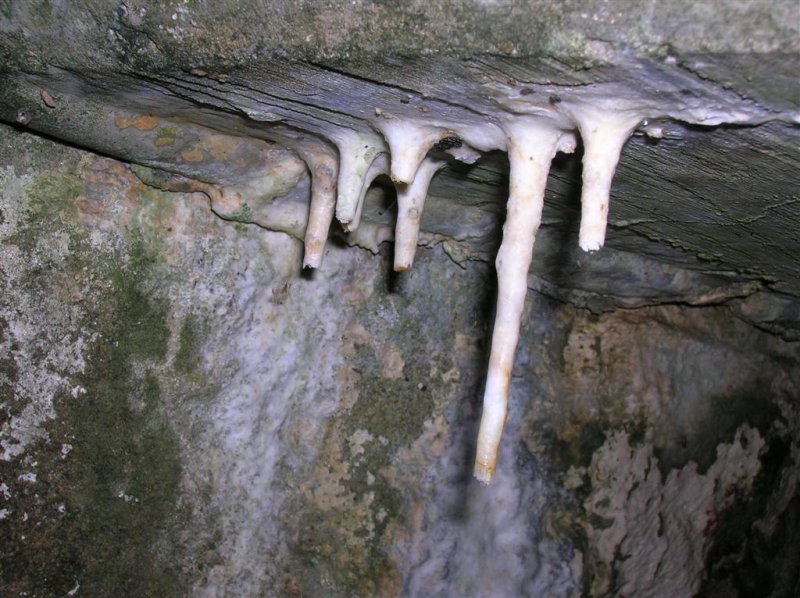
point(221, 147)
point(192, 155)
point(141, 123)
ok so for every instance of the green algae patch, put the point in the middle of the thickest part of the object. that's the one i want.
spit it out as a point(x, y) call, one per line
point(49, 200)
point(142, 324)
point(189, 342)
point(106, 508)
point(244, 215)
point(52, 191)
point(93, 501)
point(123, 485)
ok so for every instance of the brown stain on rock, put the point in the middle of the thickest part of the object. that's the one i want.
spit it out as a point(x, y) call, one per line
point(193, 155)
point(141, 123)
point(220, 147)
point(393, 364)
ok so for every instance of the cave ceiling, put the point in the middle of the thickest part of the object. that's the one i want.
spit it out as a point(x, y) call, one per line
point(704, 210)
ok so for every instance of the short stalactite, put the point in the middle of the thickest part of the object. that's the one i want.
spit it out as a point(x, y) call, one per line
point(603, 134)
point(357, 152)
point(323, 168)
point(379, 167)
point(410, 203)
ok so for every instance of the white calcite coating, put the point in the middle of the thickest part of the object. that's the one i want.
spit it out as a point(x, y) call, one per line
point(410, 203)
point(409, 142)
point(532, 144)
point(654, 532)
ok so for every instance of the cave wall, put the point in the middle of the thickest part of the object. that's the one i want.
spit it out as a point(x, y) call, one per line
point(185, 410)
point(184, 413)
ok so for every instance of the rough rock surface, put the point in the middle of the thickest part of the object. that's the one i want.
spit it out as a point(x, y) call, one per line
point(184, 411)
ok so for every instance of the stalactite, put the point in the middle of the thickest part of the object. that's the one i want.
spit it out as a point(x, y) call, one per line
point(357, 152)
point(410, 203)
point(604, 133)
point(379, 167)
point(532, 144)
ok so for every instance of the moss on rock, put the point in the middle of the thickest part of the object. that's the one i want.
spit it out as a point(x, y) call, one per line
point(93, 504)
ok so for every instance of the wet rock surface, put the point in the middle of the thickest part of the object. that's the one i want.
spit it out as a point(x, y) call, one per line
point(185, 411)
point(175, 394)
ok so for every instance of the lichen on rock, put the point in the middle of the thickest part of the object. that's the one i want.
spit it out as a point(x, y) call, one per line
point(83, 406)
point(327, 421)
point(185, 410)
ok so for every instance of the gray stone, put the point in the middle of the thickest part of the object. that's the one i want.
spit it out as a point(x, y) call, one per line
point(185, 411)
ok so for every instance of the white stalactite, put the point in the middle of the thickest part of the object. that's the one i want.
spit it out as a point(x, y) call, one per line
point(357, 152)
point(532, 145)
point(323, 168)
point(409, 143)
point(410, 203)
point(322, 163)
point(379, 166)
point(604, 133)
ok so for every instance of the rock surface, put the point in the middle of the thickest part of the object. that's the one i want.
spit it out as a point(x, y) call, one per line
point(184, 411)
point(175, 395)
